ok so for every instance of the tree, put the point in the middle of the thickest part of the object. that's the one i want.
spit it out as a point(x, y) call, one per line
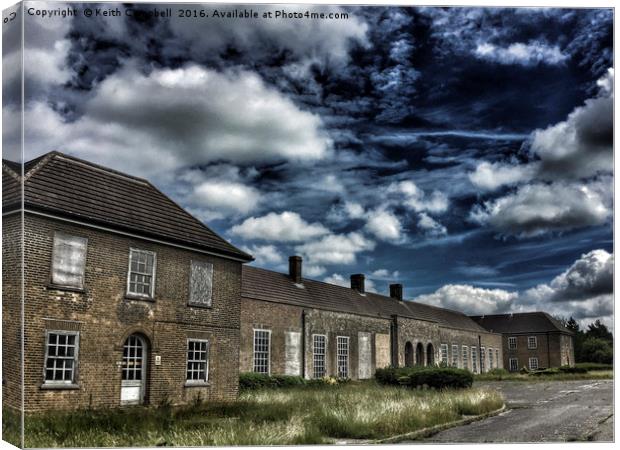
point(572, 325)
point(599, 330)
point(597, 350)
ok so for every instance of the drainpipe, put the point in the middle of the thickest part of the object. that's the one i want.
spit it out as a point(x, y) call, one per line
point(394, 339)
point(479, 354)
point(303, 343)
point(549, 352)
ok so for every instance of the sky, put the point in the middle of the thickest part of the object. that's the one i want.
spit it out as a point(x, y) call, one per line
point(466, 153)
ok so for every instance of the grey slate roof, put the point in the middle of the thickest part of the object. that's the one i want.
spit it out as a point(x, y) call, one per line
point(66, 186)
point(266, 285)
point(530, 322)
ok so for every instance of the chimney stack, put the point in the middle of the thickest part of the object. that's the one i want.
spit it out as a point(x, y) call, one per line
point(396, 291)
point(357, 283)
point(294, 268)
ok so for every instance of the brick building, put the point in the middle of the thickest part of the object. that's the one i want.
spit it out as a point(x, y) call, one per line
point(296, 326)
point(533, 340)
point(128, 298)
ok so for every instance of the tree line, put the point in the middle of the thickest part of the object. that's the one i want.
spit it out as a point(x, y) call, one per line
point(594, 344)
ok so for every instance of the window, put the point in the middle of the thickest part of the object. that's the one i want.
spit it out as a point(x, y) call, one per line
point(512, 343)
point(490, 358)
point(474, 358)
point(443, 351)
point(262, 341)
point(197, 361)
point(514, 364)
point(455, 355)
point(61, 352)
point(533, 363)
point(318, 350)
point(141, 279)
point(497, 358)
point(343, 357)
point(464, 357)
point(532, 343)
point(200, 283)
point(68, 260)
point(482, 360)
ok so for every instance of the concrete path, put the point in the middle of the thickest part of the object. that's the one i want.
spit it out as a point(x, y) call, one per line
point(543, 412)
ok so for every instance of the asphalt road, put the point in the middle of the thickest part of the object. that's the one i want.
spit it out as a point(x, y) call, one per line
point(543, 412)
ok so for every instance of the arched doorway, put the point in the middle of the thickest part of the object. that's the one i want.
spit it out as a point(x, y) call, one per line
point(408, 354)
point(133, 367)
point(419, 354)
point(430, 355)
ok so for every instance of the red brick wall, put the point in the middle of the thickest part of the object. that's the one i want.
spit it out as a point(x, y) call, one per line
point(105, 317)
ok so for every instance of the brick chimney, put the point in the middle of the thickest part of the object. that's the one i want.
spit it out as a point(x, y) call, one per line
point(294, 268)
point(357, 283)
point(396, 291)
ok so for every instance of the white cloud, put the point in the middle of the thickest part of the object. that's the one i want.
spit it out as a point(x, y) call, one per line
point(265, 254)
point(528, 54)
point(283, 227)
point(431, 227)
point(384, 225)
point(172, 118)
point(314, 271)
point(490, 176)
point(336, 248)
point(470, 300)
point(417, 200)
point(384, 274)
point(339, 280)
point(582, 145)
point(540, 208)
point(225, 197)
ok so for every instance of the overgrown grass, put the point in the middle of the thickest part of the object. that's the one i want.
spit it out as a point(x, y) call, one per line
point(11, 427)
point(549, 376)
point(265, 417)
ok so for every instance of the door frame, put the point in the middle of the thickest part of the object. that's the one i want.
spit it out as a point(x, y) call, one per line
point(144, 367)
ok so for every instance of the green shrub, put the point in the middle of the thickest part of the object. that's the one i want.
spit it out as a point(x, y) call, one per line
point(568, 369)
point(392, 375)
point(544, 372)
point(589, 367)
point(251, 380)
point(441, 378)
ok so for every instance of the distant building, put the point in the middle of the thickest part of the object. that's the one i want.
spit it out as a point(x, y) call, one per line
point(296, 326)
point(533, 340)
point(128, 298)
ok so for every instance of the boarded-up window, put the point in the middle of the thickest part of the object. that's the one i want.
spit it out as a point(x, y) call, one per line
point(382, 350)
point(364, 367)
point(201, 283)
point(292, 353)
point(68, 260)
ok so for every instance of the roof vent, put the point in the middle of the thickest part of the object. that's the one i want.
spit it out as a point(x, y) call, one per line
point(358, 282)
point(396, 291)
point(294, 268)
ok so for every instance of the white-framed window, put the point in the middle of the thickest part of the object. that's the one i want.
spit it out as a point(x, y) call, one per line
point(465, 357)
point(482, 359)
point(68, 260)
point(497, 358)
point(443, 354)
point(319, 349)
point(532, 342)
point(197, 361)
point(474, 359)
point(141, 276)
point(490, 358)
point(512, 343)
point(533, 363)
point(455, 355)
point(343, 356)
point(262, 348)
point(200, 283)
point(514, 364)
point(61, 357)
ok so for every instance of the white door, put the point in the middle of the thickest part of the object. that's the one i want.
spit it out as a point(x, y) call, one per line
point(134, 371)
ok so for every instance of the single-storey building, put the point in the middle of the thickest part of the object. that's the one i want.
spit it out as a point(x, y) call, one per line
point(297, 326)
point(533, 340)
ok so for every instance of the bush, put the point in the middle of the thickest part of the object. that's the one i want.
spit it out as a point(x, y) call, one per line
point(545, 372)
point(251, 380)
point(589, 367)
point(433, 377)
point(568, 369)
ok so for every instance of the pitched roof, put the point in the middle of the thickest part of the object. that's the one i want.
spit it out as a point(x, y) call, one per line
point(266, 285)
point(530, 322)
point(66, 186)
